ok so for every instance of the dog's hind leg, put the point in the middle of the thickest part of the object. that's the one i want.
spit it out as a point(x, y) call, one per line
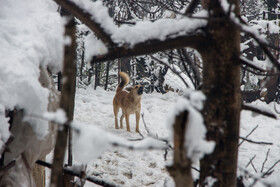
point(137, 121)
point(127, 121)
point(121, 120)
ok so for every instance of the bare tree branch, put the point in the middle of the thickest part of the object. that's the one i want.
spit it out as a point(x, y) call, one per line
point(263, 164)
point(256, 178)
point(258, 110)
point(157, 138)
point(251, 162)
point(255, 142)
point(193, 66)
point(269, 171)
point(249, 134)
point(175, 72)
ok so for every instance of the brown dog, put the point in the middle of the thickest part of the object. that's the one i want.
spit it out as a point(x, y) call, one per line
point(129, 101)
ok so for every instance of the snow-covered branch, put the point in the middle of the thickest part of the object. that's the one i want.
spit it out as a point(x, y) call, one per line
point(191, 7)
point(78, 173)
point(86, 13)
point(256, 36)
point(194, 40)
point(251, 64)
point(144, 37)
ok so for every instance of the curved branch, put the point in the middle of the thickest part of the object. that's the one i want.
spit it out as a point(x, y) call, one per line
point(259, 110)
point(85, 17)
point(263, 44)
point(251, 64)
point(174, 71)
point(78, 174)
point(193, 4)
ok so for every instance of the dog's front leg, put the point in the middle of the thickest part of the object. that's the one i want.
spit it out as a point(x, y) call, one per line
point(137, 121)
point(127, 121)
point(121, 120)
point(116, 111)
point(116, 122)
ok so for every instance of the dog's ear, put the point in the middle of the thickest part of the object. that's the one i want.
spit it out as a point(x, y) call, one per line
point(128, 89)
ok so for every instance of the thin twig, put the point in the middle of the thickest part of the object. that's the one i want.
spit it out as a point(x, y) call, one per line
point(251, 162)
point(131, 147)
point(248, 134)
point(255, 142)
point(263, 164)
point(157, 138)
point(256, 179)
point(174, 71)
point(269, 171)
point(275, 108)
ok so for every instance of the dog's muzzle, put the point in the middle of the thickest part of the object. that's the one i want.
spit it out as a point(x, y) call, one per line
point(140, 91)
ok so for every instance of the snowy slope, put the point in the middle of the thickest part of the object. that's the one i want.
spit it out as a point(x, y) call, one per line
point(128, 168)
point(147, 168)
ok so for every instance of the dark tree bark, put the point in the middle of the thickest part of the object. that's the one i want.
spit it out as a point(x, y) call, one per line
point(97, 74)
point(66, 103)
point(107, 75)
point(181, 167)
point(123, 65)
point(82, 62)
point(221, 85)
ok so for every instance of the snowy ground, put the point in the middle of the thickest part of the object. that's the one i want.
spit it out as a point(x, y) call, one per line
point(147, 168)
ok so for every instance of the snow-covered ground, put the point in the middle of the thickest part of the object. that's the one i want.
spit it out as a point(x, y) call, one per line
point(147, 168)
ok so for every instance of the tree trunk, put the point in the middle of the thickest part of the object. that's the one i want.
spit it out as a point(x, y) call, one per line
point(221, 85)
point(38, 173)
point(97, 74)
point(181, 168)
point(67, 104)
point(107, 75)
point(82, 62)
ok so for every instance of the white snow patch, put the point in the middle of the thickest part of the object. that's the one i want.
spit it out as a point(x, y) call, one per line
point(31, 35)
point(59, 116)
point(196, 145)
point(139, 168)
point(93, 47)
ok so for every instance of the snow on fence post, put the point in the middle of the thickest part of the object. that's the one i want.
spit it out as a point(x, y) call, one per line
point(180, 170)
point(67, 104)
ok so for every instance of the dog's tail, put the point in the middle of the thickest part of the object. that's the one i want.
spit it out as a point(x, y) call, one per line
point(124, 82)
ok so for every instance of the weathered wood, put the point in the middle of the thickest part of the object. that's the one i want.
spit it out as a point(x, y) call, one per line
point(180, 170)
point(66, 103)
point(221, 85)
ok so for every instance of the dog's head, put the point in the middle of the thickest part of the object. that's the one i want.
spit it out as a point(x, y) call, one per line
point(136, 90)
